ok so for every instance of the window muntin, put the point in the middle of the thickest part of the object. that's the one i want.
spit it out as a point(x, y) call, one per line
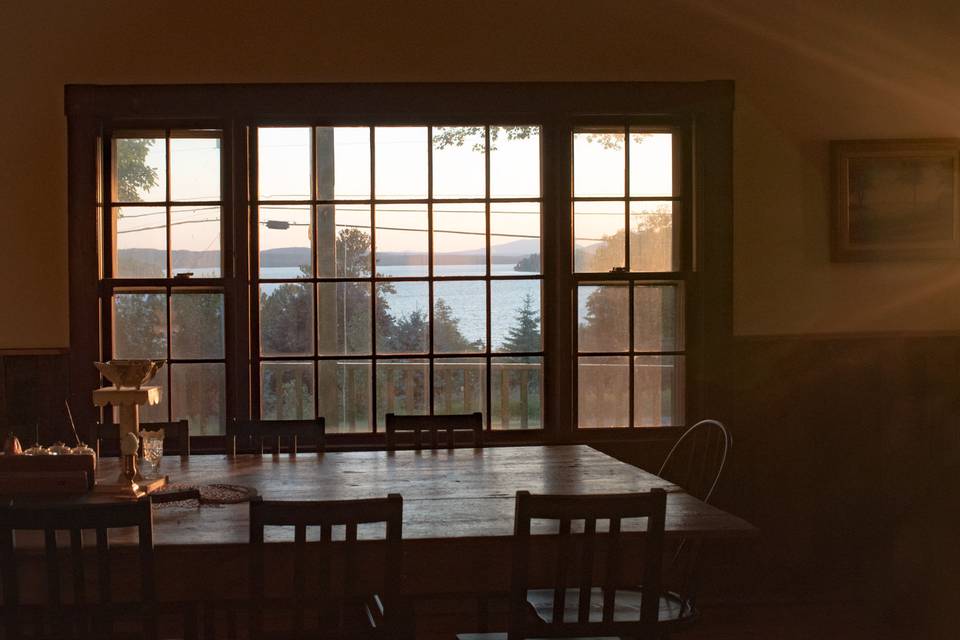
point(629, 285)
point(165, 231)
point(453, 228)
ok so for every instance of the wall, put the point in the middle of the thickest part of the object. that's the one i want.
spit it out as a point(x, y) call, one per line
point(806, 72)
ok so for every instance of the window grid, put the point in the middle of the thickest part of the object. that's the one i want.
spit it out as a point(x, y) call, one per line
point(375, 357)
point(625, 276)
point(169, 285)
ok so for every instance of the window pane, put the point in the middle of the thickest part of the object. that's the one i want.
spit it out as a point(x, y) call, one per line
point(345, 395)
point(140, 326)
point(286, 319)
point(657, 319)
point(343, 163)
point(459, 239)
point(516, 393)
point(598, 163)
point(286, 390)
point(459, 385)
point(515, 315)
point(651, 164)
point(196, 325)
point(402, 240)
point(194, 168)
point(198, 394)
point(651, 236)
point(515, 237)
point(285, 242)
point(195, 240)
point(459, 316)
point(140, 170)
point(343, 318)
point(603, 318)
point(658, 384)
point(141, 242)
point(343, 241)
point(603, 393)
point(515, 162)
point(598, 236)
point(283, 163)
point(402, 317)
point(459, 162)
point(401, 388)
point(401, 162)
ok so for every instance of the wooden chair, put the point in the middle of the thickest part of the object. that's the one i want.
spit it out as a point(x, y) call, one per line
point(582, 601)
point(341, 609)
point(82, 617)
point(176, 437)
point(431, 426)
point(252, 433)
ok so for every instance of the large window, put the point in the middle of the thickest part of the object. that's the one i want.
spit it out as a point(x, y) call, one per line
point(555, 256)
point(399, 271)
point(163, 277)
point(627, 219)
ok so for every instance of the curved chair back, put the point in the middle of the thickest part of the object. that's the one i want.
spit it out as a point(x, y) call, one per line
point(697, 459)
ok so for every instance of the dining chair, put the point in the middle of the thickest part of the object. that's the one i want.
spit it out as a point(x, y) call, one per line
point(587, 594)
point(431, 427)
point(695, 462)
point(82, 616)
point(176, 437)
point(337, 606)
point(251, 435)
point(697, 459)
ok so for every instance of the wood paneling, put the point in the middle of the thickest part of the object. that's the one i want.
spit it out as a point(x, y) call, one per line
point(33, 386)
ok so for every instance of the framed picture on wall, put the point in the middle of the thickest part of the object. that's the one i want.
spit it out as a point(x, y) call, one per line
point(895, 199)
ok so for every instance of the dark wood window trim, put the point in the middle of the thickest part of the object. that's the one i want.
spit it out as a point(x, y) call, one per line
point(704, 109)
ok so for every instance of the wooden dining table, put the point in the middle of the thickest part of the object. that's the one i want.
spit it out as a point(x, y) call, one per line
point(458, 508)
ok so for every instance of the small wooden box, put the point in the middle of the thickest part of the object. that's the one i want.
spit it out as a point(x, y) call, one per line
point(47, 474)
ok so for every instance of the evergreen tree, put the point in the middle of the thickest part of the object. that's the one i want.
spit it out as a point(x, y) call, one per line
point(447, 337)
point(524, 335)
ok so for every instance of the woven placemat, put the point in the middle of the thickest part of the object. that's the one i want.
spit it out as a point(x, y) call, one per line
point(210, 494)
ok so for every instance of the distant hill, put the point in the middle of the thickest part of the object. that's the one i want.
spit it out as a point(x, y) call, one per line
point(149, 261)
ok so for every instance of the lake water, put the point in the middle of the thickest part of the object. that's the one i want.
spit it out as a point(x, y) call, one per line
point(467, 299)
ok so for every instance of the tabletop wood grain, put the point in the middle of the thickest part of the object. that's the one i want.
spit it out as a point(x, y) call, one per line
point(463, 493)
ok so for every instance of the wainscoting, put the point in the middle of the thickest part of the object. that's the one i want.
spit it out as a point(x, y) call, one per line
point(33, 385)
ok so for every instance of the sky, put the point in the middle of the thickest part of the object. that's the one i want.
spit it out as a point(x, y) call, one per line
point(401, 172)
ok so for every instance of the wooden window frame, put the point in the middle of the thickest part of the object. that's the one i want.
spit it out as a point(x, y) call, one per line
point(704, 109)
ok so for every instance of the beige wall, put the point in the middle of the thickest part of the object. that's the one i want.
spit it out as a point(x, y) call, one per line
point(806, 72)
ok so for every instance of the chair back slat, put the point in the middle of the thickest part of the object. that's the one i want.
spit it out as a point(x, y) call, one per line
point(52, 563)
point(76, 557)
point(575, 549)
point(586, 569)
point(250, 435)
point(103, 566)
point(326, 515)
point(426, 430)
point(612, 572)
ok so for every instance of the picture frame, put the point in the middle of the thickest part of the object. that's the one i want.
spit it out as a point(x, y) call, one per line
point(895, 200)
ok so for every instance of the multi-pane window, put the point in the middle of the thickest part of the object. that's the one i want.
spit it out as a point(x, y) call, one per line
point(399, 271)
point(628, 276)
point(162, 276)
